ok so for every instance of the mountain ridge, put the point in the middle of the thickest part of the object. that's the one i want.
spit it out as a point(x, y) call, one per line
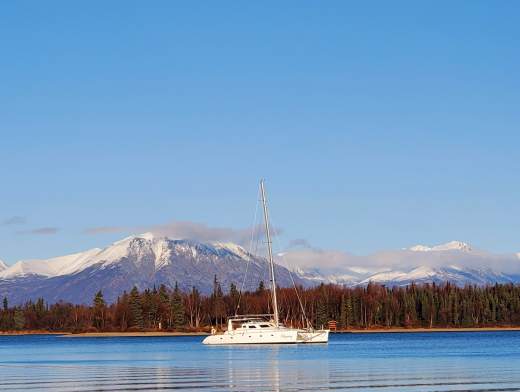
point(147, 260)
point(143, 261)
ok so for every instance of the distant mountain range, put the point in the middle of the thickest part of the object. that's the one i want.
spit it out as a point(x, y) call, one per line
point(456, 262)
point(147, 260)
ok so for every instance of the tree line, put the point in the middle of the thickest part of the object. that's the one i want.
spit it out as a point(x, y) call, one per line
point(372, 306)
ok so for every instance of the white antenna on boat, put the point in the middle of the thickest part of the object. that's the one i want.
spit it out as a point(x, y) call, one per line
point(270, 254)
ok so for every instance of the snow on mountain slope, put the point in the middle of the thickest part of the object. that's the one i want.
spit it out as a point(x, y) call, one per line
point(453, 274)
point(73, 263)
point(449, 246)
point(55, 266)
point(455, 261)
point(147, 260)
point(233, 248)
point(341, 276)
point(144, 261)
point(26, 268)
point(3, 266)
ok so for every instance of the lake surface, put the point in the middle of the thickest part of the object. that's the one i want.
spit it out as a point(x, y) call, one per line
point(471, 361)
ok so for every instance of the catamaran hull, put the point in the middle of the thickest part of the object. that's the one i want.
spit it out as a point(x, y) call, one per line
point(269, 337)
point(266, 337)
point(321, 336)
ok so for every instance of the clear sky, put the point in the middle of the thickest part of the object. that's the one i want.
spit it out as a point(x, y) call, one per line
point(377, 126)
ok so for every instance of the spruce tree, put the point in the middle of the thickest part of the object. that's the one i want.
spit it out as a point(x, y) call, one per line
point(345, 315)
point(234, 295)
point(164, 307)
point(19, 319)
point(136, 311)
point(321, 314)
point(99, 310)
point(178, 308)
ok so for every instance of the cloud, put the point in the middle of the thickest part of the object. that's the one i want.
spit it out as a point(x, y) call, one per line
point(189, 230)
point(403, 260)
point(319, 258)
point(302, 254)
point(41, 231)
point(201, 232)
point(14, 220)
point(299, 243)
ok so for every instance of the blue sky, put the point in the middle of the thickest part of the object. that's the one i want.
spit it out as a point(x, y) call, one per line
point(377, 126)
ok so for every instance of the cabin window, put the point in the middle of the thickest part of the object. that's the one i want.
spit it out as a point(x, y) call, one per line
point(252, 326)
point(264, 325)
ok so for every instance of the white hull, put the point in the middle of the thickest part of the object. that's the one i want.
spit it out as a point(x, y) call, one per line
point(268, 336)
point(321, 336)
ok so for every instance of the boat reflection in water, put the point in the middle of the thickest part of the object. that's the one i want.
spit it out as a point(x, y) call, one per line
point(271, 374)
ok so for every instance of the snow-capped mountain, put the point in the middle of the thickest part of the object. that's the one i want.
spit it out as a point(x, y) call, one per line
point(449, 246)
point(3, 266)
point(455, 261)
point(342, 276)
point(52, 267)
point(144, 261)
point(453, 274)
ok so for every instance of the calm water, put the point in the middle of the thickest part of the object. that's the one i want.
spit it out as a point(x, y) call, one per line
point(485, 361)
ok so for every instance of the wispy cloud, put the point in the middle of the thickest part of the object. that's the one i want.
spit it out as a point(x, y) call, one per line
point(299, 243)
point(309, 257)
point(14, 220)
point(304, 255)
point(188, 230)
point(41, 231)
point(202, 232)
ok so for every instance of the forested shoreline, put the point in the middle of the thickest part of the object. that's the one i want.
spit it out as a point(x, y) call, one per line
point(373, 306)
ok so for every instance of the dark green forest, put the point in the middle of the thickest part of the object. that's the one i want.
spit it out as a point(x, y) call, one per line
point(373, 306)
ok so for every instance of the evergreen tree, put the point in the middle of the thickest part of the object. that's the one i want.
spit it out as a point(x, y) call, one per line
point(261, 287)
point(217, 302)
point(6, 305)
point(342, 313)
point(136, 311)
point(99, 310)
point(178, 308)
point(321, 314)
point(346, 312)
point(234, 296)
point(19, 319)
point(164, 307)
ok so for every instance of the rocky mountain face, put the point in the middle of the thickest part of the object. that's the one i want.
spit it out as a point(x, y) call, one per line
point(142, 261)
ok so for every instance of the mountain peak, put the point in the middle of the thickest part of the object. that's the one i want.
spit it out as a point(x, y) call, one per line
point(147, 236)
point(448, 246)
point(233, 248)
point(3, 266)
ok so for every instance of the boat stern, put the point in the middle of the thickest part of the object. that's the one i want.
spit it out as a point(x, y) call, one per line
point(319, 336)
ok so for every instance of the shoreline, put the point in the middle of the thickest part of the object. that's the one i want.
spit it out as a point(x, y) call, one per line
point(131, 334)
point(174, 334)
point(428, 330)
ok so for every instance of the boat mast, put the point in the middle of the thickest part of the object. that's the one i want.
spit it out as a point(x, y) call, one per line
point(270, 253)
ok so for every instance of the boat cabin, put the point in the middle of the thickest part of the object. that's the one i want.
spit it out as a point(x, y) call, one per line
point(249, 323)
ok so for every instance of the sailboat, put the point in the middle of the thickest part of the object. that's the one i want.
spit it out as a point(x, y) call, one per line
point(265, 328)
